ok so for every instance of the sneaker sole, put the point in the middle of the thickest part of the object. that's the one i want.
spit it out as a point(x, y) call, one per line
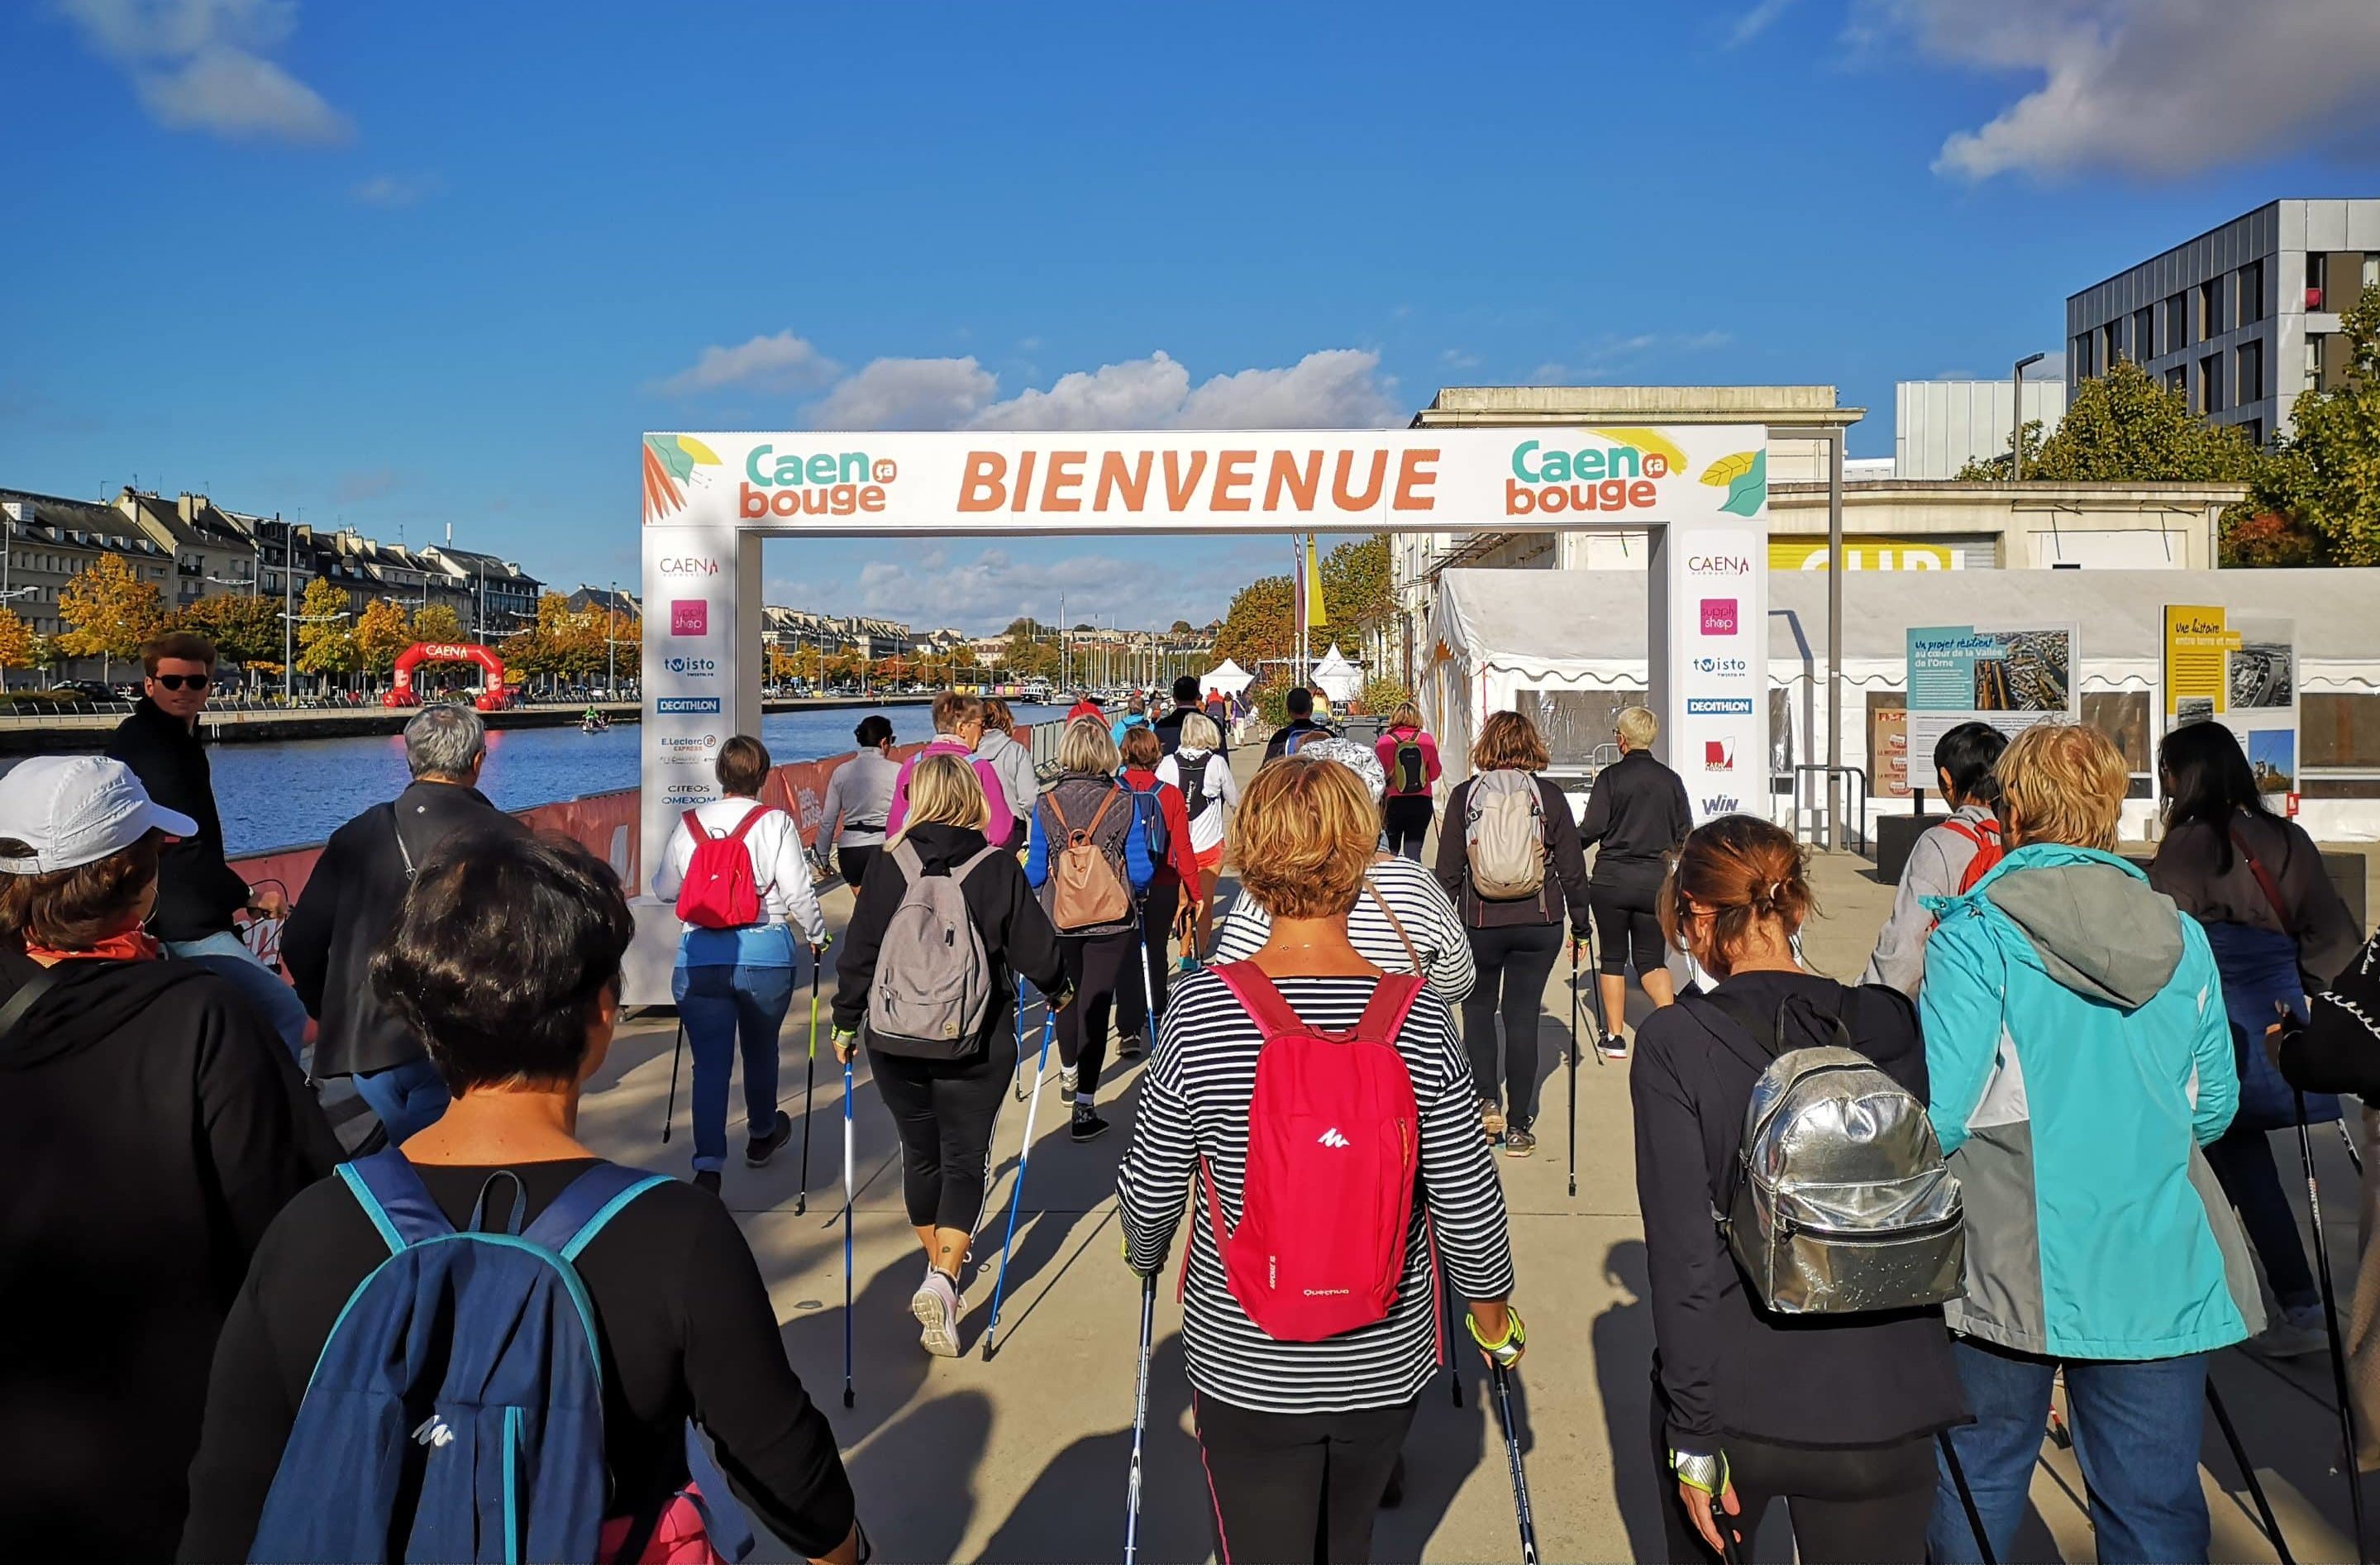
point(1511, 1151)
point(1080, 1134)
point(940, 1333)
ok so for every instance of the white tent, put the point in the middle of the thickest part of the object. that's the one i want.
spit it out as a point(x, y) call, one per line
point(1229, 677)
point(1336, 677)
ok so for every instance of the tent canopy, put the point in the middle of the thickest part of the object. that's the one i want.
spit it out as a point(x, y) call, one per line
point(1228, 677)
point(1336, 677)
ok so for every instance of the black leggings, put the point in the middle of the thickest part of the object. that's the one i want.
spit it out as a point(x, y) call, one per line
point(1848, 1503)
point(1292, 1486)
point(1100, 965)
point(946, 1111)
point(1514, 960)
point(1625, 897)
point(1405, 818)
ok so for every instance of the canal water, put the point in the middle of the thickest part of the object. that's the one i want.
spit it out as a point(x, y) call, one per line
point(298, 791)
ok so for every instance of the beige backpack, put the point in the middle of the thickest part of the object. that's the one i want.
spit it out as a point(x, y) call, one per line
point(1085, 889)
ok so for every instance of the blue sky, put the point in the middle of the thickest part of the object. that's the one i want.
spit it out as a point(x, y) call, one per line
point(402, 266)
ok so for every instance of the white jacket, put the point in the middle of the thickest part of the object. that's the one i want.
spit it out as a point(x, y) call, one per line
point(779, 869)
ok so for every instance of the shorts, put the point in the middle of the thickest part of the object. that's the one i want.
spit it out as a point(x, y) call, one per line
point(1210, 858)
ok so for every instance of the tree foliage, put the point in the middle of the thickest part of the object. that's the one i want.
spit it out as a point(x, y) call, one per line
point(1260, 623)
point(16, 640)
point(2124, 427)
point(381, 634)
point(2326, 475)
point(109, 612)
point(1356, 584)
point(245, 629)
point(326, 643)
point(436, 622)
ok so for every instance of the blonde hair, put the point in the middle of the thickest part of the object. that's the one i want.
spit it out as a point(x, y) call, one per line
point(1307, 830)
point(1407, 715)
point(1199, 733)
point(943, 791)
point(2062, 782)
point(1509, 741)
point(1086, 745)
point(1638, 727)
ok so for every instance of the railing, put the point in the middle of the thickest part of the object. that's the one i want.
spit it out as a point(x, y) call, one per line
point(1848, 772)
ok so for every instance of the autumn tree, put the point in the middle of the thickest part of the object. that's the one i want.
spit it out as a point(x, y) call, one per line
point(326, 642)
point(1356, 583)
point(17, 644)
point(245, 629)
point(110, 611)
point(436, 622)
point(379, 634)
point(1260, 623)
point(2327, 474)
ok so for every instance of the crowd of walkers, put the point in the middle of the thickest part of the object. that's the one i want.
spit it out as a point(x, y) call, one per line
point(483, 1340)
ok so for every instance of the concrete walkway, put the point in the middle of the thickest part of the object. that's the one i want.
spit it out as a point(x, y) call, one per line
point(1025, 1459)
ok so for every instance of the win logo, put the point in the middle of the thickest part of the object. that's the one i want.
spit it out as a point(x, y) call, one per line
point(1332, 1139)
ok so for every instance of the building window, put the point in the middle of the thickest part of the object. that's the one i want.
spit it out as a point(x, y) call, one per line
point(2250, 380)
point(2111, 343)
point(2210, 385)
point(2252, 292)
point(2083, 371)
point(2210, 310)
point(2144, 337)
point(2317, 280)
point(2176, 324)
point(2255, 428)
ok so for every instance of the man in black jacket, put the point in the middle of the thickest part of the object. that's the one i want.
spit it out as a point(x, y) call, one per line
point(196, 892)
point(1185, 704)
point(1300, 727)
point(351, 900)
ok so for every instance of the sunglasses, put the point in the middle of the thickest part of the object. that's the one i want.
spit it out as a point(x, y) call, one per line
point(185, 681)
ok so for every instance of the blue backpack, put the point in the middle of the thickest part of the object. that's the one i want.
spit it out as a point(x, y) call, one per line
point(464, 1380)
point(1148, 808)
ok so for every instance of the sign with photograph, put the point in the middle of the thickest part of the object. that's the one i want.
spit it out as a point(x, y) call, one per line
point(2008, 676)
point(2244, 674)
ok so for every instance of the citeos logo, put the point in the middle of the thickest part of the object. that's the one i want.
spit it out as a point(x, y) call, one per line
point(689, 616)
point(1719, 755)
point(1720, 665)
point(1616, 478)
point(692, 668)
point(822, 484)
point(1720, 804)
point(1718, 706)
point(690, 792)
point(1719, 616)
point(687, 706)
point(688, 749)
point(687, 564)
point(1719, 565)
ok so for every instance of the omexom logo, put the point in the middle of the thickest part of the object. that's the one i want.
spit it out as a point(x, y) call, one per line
point(1614, 477)
point(820, 484)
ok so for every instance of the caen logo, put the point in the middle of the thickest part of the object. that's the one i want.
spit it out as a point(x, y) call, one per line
point(1617, 477)
point(822, 484)
point(1718, 564)
point(687, 565)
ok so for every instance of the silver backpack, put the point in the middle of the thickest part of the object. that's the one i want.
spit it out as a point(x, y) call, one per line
point(1841, 1203)
point(933, 977)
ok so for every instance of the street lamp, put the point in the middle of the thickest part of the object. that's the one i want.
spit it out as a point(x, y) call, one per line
point(2016, 395)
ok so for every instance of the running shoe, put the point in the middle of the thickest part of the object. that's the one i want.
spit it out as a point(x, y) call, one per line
point(1519, 1142)
point(757, 1151)
point(1068, 1079)
point(1491, 1120)
point(1189, 961)
point(1088, 1125)
point(1611, 1046)
point(707, 1178)
point(937, 1305)
point(2294, 1333)
point(1131, 1047)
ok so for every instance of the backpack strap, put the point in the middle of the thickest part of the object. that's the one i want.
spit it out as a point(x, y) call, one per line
point(962, 870)
point(389, 1188)
point(1383, 1017)
point(905, 853)
point(1384, 1013)
point(1065, 828)
point(28, 994)
point(1259, 999)
point(1413, 953)
point(593, 1199)
point(694, 826)
point(2265, 881)
point(755, 813)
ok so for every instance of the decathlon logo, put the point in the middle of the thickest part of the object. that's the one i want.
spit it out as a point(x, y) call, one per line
point(687, 706)
point(1718, 706)
point(1332, 1139)
point(432, 1432)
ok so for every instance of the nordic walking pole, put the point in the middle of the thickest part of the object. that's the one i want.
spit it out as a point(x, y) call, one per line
point(850, 1194)
point(1017, 1085)
point(2330, 1322)
point(809, 1082)
point(1574, 1069)
point(2348, 1136)
point(1016, 1195)
point(1140, 1421)
point(1502, 1379)
point(2247, 1471)
point(669, 1115)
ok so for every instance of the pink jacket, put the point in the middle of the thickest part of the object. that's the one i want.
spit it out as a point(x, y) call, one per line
point(997, 830)
point(1386, 747)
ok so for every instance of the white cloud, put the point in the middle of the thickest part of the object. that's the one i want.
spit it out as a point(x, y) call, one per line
point(982, 594)
point(1339, 388)
point(1137, 395)
point(202, 65)
point(783, 362)
point(395, 190)
point(2158, 88)
point(1755, 22)
point(907, 394)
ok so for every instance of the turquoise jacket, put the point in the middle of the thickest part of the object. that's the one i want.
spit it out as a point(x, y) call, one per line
point(2078, 1057)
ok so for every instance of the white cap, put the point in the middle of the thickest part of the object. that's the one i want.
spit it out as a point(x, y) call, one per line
point(77, 809)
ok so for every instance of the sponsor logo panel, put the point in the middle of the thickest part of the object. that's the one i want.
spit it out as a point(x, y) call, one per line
point(692, 668)
point(1719, 616)
point(689, 616)
point(1718, 706)
point(687, 706)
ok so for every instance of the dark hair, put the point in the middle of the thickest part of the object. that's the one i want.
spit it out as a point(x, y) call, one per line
point(2207, 778)
point(743, 766)
point(1185, 691)
point(504, 946)
point(1966, 755)
point(74, 909)
point(873, 730)
point(951, 709)
point(997, 718)
point(1299, 701)
point(182, 646)
point(1745, 868)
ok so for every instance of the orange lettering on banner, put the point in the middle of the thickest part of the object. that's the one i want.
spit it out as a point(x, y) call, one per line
point(1412, 477)
point(1024, 481)
point(1065, 476)
point(1179, 487)
point(1302, 483)
point(981, 488)
point(1132, 481)
point(1226, 479)
point(1346, 501)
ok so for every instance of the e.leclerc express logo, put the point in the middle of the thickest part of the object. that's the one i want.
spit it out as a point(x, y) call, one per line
point(819, 484)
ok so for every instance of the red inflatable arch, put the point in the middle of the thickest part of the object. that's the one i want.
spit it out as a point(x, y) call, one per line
point(401, 694)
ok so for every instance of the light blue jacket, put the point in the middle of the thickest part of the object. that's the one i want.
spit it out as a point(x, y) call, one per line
point(2078, 1057)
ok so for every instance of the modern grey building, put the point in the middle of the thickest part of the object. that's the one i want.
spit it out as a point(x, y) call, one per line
point(1940, 426)
point(2240, 320)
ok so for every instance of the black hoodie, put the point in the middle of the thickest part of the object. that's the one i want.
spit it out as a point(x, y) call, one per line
point(196, 892)
point(150, 1127)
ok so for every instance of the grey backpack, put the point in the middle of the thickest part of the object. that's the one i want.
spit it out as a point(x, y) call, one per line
point(1504, 836)
point(933, 977)
point(1840, 1201)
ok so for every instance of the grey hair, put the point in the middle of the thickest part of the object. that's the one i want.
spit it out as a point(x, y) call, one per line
point(443, 741)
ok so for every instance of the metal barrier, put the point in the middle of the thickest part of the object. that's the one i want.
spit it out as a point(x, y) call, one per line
point(1849, 771)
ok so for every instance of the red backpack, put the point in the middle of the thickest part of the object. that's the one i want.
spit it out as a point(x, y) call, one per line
point(1985, 835)
point(1334, 1142)
point(720, 891)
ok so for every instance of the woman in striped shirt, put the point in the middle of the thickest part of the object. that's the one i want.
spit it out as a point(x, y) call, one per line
point(1299, 1437)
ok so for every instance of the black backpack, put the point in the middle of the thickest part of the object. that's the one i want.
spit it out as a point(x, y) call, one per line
point(1411, 772)
point(1194, 782)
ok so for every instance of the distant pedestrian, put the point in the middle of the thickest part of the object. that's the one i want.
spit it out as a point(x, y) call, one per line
point(945, 1100)
point(958, 729)
point(859, 799)
point(2279, 931)
point(1636, 816)
point(1508, 859)
point(150, 1127)
point(350, 901)
point(1086, 704)
point(198, 895)
point(1218, 710)
point(1173, 887)
point(735, 984)
point(1185, 705)
point(1409, 758)
point(1136, 715)
point(1201, 769)
point(1301, 726)
point(1947, 860)
point(1012, 759)
point(2078, 1057)
point(1298, 1438)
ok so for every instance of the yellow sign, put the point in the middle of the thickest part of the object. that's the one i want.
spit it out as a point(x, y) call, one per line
point(2198, 643)
point(1862, 552)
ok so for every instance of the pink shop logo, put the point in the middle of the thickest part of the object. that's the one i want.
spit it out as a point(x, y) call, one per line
point(689, 616)
point(1719, 616)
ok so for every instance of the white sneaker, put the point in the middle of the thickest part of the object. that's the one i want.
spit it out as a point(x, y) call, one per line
point(2294, 1334)
point(937, 1305)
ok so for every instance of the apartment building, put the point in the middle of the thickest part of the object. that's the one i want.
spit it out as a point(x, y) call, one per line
point(2240, 320)
point(46, 541)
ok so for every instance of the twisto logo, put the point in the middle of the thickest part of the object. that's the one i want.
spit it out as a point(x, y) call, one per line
point(820, 484)
point(1616, 478)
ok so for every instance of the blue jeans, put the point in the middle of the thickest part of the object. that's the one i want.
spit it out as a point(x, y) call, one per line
point(405, 1097)
point(720, 1005)
point(276, 1003)
point(2137, 1432)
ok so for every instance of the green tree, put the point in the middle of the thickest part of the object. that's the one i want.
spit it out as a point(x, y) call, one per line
point(1356, 584)
point(2124, 427)
point(2326, 475)
point(381, 634)
point(1260, 623)
point(110, 611)
point(245, 629)
point(1994, 470)
point(436, 622)
point(1182, 627)
point(326, 643)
